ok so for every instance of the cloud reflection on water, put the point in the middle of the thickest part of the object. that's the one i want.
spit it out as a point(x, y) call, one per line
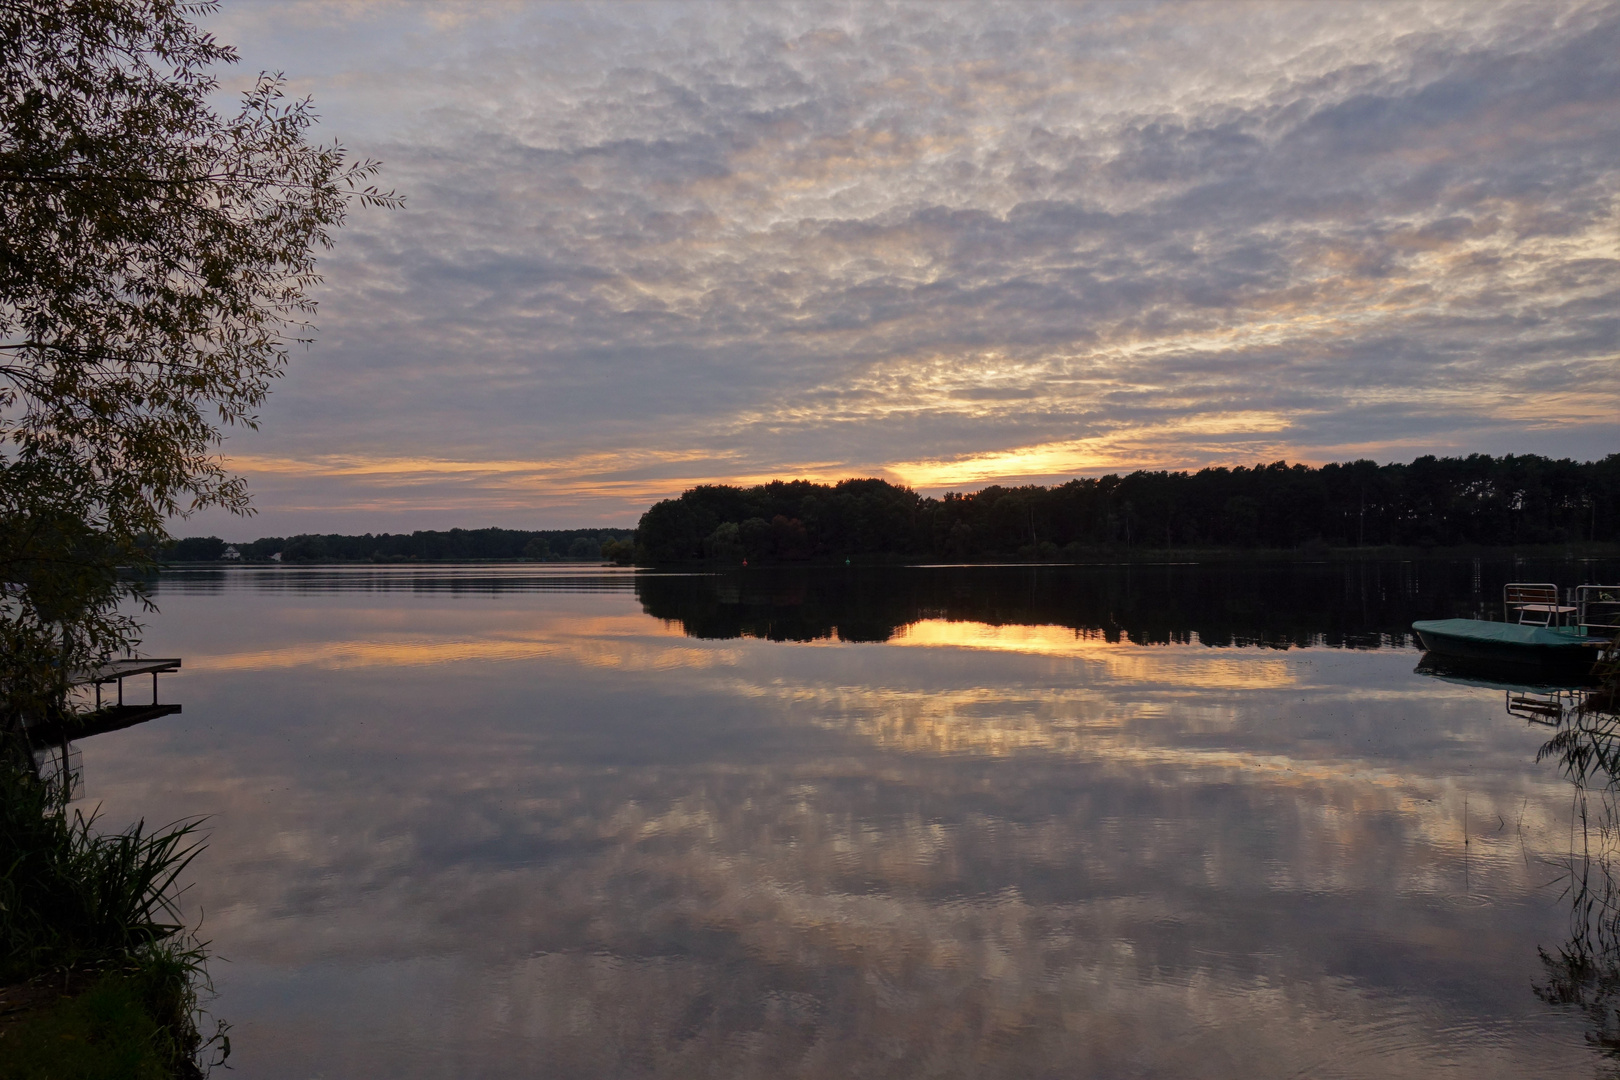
point(518, 834)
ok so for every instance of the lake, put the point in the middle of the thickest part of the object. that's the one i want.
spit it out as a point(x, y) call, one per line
point(1104, 821)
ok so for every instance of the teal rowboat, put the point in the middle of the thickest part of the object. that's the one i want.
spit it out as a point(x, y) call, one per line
point(1516, 643)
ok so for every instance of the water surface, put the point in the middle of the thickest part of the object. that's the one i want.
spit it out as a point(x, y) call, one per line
point(989, 822)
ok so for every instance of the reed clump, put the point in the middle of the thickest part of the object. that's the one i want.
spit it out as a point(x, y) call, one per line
point(1606, 697)
point(98, 974)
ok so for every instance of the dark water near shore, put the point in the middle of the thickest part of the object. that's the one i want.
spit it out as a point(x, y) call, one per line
point(993, 822)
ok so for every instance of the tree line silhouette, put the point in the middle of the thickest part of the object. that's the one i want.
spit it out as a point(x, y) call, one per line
point(454, 545)
point(1430, 502)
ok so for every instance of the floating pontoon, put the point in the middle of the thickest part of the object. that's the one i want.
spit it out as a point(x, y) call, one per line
point(1540, 628)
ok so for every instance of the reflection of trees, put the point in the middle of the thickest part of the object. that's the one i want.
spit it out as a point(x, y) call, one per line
point(1357, 604)
point(1583, 973)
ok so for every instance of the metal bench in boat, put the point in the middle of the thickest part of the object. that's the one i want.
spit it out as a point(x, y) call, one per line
point(1534, 605)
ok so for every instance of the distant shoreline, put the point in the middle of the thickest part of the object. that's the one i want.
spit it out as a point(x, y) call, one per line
point(1099, 556)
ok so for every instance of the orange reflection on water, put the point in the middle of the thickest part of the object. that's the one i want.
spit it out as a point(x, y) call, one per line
point(606, 641)
point(1172, 665)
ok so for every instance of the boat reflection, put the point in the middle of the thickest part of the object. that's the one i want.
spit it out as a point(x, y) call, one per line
point(1546, 707)
point(1547, 700)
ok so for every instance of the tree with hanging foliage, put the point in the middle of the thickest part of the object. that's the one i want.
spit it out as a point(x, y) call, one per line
point(157, 261)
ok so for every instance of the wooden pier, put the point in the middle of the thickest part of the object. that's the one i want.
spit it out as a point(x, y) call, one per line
point(111, 712)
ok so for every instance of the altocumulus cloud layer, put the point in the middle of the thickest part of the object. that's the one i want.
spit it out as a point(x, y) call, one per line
point(651, 246)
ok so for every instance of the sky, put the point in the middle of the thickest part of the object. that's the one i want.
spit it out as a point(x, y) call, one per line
point(652, 246)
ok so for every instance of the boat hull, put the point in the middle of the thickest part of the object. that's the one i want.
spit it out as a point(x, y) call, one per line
point(1544, 648)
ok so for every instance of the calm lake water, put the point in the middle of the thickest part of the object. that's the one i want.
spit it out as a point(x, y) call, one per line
point(1172, 821)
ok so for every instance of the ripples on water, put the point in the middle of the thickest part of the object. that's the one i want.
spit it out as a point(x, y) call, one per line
point(990, 822)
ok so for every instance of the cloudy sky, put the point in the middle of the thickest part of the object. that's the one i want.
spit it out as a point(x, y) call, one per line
point(652, 246)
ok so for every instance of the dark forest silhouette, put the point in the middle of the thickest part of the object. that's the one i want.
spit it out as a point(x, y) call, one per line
point(1477, 500)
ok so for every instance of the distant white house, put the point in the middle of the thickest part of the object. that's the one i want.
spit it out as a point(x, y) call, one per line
point(231, 554)
point(276, 557)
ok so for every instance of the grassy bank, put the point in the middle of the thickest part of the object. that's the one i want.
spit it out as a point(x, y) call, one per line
point(135, 1021)
point(98, 976)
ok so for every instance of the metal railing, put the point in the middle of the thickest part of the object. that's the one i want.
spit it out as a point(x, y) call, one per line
point(1598, 609)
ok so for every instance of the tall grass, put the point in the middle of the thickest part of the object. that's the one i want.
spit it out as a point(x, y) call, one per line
point(1583, 973)
point(78, 904)
point(69, 895)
